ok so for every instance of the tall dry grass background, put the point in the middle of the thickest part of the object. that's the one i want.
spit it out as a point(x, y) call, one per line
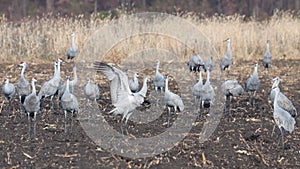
point(42, 39)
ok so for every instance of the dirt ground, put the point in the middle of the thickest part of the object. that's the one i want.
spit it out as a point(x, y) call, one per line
point(242, 139)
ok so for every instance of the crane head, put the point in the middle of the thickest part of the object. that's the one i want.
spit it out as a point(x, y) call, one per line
point(60, 60)
point(227, 40)
point(6, 80)
point(136, 74)
point(34, 79)
point(22, 63)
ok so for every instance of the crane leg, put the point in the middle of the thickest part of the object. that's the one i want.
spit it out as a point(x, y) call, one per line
point(273, 130)
point(169, 115)
point(34, 116)
point(282, 137)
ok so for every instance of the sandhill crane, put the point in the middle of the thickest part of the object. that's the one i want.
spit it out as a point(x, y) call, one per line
point(68, 100)
point(208, 93)
point(252, 83)
point(122, 98)
point(231, 88)
point(73, 50)
point(134, 83)
point(283, 119)
point(23, 87)
point(267, 57)
point(209, 63)
point(73, 82)
point(194, 63)
point(91, 91)
point(158, 80)
point(197, 88)
point(50, 87)
point(8, 91)
point(172, 100)
point(32, 101)
point(227, 59)
point(283, 101)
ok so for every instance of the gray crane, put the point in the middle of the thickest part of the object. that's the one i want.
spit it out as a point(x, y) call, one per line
point(32, 101)
point(253, 82)
point(23, 86)
point(197, 88)
point(208, 93)
point(122, 98)
point(51, 87)
point(267, 57)
point(172, 100)
point(91, 91)
point(231, 88)
point(227, 59)
point(69, 101)
point(134, 83)
point(73, 83)
point(73, 50)
point(209, 63)
point(8, 91)
point(158, 80)
point(194, 63)
point(283, 101)
point(282, 118)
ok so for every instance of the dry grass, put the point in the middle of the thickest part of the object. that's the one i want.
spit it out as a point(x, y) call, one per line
point(46, 38)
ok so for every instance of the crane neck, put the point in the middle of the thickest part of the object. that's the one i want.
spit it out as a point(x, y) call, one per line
point(167, 83)
point(228, 46)
point(23, 70)
point(207, 77)
point(68, 85)
point(143, 91)
point(277, 90)
point(268, 47)
point(255, 70)
point(157, 67)
point(33, 87)
point(73, 42)
point(275, 83)
point(200, 77)
point(58, 69)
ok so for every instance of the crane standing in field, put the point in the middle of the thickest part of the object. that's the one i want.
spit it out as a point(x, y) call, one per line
point(73, 83)
point(194, 63)
point(282, 100)
point(253, 82)
point(158, 80)
point(283, 119)
point(73, 50)
point(32, 101)
point(227, 59)
point(134, 83)
point(197, 89)
point(172, 100)
point(91, 91)
point(208, 93)
point(209, 63)
point(8, 91)
point(23, 87)
point(51, 87)
point(231, 88)
point(267, 57)
point(69, 101)
point(122, 98)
